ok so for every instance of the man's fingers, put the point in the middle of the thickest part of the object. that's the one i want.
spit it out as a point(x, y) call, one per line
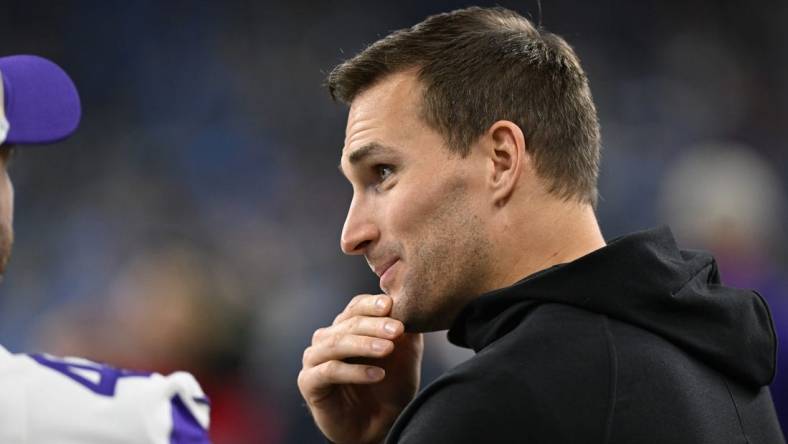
point(356, 299)
point(380, 327)
point(366, 305)
point(346, 346)
point(362, 330)
point(383, 327)
point(316, 382)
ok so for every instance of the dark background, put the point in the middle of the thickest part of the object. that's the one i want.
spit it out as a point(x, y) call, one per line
point(193, 220)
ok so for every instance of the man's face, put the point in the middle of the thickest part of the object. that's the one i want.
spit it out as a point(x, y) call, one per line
point(6, 194)
point(417, 213)
point(6, 210)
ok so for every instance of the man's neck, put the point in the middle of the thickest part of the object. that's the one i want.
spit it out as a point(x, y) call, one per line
point(557, 233)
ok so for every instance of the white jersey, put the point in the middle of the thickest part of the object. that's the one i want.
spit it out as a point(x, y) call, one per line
point(49, 400)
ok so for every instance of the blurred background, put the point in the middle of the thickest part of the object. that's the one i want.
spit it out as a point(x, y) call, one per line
point(193, 220)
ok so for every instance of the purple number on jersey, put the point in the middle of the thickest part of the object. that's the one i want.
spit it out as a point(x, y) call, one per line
point(107, 376)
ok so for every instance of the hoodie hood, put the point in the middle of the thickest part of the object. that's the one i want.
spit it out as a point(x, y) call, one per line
point(645, 280)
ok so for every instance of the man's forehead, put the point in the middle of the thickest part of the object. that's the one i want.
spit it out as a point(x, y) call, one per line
point(384, 112)
point(361, 125)
point(393, 92)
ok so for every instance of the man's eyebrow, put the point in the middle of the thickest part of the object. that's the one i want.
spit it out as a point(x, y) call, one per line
point(365, 151)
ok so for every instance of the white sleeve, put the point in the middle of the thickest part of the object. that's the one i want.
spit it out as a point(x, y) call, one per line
point(75, 401)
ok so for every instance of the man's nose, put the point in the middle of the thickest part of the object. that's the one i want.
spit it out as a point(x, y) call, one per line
point(359, 230)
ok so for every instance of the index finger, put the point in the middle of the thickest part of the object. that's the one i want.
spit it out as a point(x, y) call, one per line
point(366, 305)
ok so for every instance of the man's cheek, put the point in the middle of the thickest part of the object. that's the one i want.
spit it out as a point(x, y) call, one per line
point(417, 207)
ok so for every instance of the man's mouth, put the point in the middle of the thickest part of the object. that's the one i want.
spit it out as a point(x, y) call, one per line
point(380, 270)
point(386, 274)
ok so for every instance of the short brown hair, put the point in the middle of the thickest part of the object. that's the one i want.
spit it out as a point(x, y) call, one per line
point(481, 65)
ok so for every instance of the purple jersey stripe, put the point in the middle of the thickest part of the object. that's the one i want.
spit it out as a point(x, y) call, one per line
point(185, 428)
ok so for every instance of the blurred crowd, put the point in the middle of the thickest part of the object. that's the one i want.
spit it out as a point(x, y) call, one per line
point(193, 220)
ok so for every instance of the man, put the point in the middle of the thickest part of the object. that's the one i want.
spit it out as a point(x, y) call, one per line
point(472, 146)
point(70, 400)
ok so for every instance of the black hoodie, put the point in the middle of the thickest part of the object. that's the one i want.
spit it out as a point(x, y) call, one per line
point(637, 342)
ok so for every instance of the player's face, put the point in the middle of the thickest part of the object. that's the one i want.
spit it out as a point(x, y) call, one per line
point(6, 209)
point(415, 213)
point(6, 196)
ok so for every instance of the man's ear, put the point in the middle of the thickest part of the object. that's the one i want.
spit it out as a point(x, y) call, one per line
point(508, 158)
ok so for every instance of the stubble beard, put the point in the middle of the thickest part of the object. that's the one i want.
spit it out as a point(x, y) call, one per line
point(448, 269)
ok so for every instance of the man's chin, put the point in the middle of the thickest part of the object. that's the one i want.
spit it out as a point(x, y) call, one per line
point(399, 309)
point(418, 319)
point(415, 321)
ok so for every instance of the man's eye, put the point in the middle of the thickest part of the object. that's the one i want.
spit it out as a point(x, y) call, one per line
point(384, 171)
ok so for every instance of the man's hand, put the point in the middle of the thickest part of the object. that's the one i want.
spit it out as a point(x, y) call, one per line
point(360, 372)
